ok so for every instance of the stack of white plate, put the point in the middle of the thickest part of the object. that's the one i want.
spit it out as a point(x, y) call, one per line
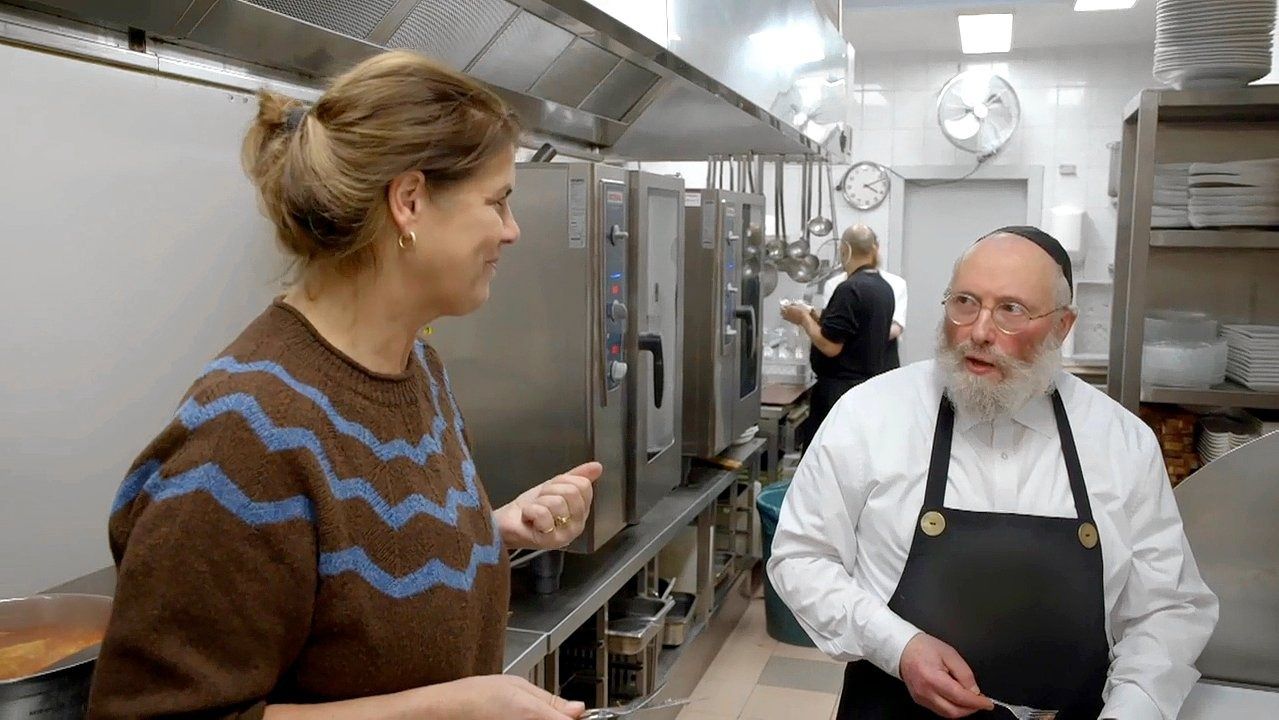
point(1219, 434)
point(1213, 43)
point(1172, 196)
point(1253, 355)
point(1243, 193)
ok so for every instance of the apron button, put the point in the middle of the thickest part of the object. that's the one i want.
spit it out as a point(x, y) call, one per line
point(1088, 535)
point(932, 523)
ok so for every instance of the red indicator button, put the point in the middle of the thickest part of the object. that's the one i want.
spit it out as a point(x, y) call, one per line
point(617, 349)
point(617, 289)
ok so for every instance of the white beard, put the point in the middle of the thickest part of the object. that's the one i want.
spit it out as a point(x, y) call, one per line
point(987, 398)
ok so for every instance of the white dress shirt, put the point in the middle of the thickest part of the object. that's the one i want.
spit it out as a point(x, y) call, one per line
point(896, 282)
point(849, 517)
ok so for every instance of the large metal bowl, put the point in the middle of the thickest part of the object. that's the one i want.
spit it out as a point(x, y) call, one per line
point(62, 689)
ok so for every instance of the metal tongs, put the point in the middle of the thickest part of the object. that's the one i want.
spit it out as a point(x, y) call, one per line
point(626, 711)
point(634, 708)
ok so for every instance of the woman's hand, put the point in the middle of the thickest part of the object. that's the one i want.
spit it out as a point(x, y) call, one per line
point(552, 514)
point(484, 697)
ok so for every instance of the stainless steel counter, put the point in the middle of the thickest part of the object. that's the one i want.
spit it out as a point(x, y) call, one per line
point(524, 651)
point(588, 581)
point(1228, 509)
point(99, 582)
point(1215, 701)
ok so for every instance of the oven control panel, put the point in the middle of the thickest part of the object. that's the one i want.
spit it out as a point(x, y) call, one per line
point(731, 242)
point(613, 256)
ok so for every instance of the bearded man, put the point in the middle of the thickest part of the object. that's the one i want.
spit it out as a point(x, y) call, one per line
point(985, 527)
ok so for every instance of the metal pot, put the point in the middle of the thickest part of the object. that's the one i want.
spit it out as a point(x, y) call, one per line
point(60, 691)
point(750, 268)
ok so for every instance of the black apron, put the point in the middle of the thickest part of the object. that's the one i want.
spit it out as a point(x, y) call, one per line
point(1021, 597)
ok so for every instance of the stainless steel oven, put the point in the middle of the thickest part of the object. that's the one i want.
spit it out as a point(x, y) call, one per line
point(541, 370)
point(722, 344)
point(656, 346)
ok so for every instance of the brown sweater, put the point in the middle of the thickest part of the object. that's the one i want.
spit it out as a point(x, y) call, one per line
point(303, 531)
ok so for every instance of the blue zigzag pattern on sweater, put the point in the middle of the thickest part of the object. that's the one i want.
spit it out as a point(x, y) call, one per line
point(211, 479)
point(431, 575)
point(192, 415)
point(429, 445)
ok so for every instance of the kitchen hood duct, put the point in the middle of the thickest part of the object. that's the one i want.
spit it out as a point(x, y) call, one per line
point(572, 69)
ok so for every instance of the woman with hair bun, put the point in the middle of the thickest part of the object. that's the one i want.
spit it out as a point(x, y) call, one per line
point(308, 536)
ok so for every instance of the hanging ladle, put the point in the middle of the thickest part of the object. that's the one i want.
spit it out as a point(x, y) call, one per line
point(820, 226)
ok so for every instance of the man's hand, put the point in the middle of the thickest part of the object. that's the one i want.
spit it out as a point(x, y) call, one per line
point(796, 312)
point(939, 679)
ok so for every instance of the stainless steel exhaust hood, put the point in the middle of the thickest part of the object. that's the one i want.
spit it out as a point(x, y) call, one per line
point(662, 79)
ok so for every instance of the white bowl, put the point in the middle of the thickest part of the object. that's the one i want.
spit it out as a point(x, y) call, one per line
point(1180, 326)
point(1184, 364)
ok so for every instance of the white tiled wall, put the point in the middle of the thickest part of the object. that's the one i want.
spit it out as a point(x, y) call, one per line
point(1072, 103)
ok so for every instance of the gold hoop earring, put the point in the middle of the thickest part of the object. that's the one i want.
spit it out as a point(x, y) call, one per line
point(407, 240)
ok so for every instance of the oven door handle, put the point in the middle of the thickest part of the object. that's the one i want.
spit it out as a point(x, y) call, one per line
point(652, 343)
point(747, 316)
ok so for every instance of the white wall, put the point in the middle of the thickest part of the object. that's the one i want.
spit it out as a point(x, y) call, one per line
point(1072, 103)
point(132, 252)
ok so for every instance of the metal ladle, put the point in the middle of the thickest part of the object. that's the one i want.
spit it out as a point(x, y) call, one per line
point(805, 270)
point(820, 226)
point(768, 279)
point(799, 248)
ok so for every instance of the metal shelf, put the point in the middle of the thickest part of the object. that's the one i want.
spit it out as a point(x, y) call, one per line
point(1216, 239)
point(1254, 104)
point(1227, 394)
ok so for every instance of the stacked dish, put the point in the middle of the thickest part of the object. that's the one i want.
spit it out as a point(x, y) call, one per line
point(1213, 43)
point(1243, 193)
point(1253, 355)
point(1219, 434)
point(1171, 208)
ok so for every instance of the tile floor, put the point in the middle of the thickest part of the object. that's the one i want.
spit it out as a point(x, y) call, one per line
point(754, 677)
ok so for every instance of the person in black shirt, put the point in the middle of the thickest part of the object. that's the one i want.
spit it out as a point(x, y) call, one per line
point(850, 337)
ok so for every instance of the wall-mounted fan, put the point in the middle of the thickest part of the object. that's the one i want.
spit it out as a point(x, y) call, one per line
point(978, 112)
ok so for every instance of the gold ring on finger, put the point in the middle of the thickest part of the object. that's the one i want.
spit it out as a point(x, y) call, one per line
point(562, 520)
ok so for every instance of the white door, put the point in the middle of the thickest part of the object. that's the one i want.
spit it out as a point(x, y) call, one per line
point(939, 223)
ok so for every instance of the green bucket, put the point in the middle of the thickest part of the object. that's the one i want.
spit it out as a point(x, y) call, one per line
point(778, 619)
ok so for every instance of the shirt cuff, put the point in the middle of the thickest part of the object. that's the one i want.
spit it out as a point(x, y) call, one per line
point(886, 637)
point(1127, 701)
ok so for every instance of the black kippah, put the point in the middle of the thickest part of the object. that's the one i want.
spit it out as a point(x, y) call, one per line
point(1049, 245)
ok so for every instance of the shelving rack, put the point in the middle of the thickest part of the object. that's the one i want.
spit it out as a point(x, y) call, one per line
point(1230, 273)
